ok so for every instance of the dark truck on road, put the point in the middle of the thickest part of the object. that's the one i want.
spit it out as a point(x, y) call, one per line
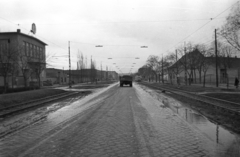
point(125, 79)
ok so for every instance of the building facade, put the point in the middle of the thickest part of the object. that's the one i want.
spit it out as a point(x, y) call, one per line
point(56, 76)
point(22, 60)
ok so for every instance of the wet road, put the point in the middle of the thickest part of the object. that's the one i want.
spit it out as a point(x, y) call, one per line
point(116, 122)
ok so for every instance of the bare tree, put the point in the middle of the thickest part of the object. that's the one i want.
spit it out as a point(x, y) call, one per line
point(37, 64)
point(81, 64)
point(154, 63)
point(145, 71)
point(23, 64)
point(186, 62)
point(230, 30)
point(8, 56)
point(225, 53)
point(168, 62)
point(204, 61)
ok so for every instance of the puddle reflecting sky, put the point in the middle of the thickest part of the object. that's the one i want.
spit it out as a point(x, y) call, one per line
point(226, 142)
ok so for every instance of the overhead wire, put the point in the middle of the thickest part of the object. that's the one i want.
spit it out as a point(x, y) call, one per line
point(136, 22)
point(211, 19)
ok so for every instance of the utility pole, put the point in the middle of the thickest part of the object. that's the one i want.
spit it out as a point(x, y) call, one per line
point(176, 61)
point(69, 71)
point(216, 54)
point(91, 71)
point(101, 71)
point(162, 70)
point(107, 72)
point(185, 64)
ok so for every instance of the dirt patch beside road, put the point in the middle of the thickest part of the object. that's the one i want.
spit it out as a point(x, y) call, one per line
point(221, 117)
point(21, 97)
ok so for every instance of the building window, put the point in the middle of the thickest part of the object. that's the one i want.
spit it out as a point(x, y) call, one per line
point(34, 52)
point(43, 53)
point(30, 46)
point(40, 53)
point(24, 48)
point(27, 49)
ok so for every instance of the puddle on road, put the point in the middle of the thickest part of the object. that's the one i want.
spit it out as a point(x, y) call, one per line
point(13, 123)
point(224, 142)
point(48, 118)
point(46, 113)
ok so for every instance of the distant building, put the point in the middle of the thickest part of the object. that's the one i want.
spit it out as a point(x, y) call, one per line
point(56, 76)
point(91, 75)
point(22, 60)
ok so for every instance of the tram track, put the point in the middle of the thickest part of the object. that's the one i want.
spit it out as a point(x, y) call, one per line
point(227, 106)
point(6, 111)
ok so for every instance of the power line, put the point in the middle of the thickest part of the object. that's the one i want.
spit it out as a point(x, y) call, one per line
point(159, 21)
point(102, 45)
point(205, 24)
point(36, 35)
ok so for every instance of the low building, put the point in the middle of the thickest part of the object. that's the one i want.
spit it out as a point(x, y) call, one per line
point(22, 60)
point(92, 75)
point(195, 68)
point(56, 76)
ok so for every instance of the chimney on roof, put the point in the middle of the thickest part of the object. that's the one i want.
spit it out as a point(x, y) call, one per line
point(235, 56)
point(18, 30)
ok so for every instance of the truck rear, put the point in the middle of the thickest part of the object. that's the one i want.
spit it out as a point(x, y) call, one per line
point(126, 80)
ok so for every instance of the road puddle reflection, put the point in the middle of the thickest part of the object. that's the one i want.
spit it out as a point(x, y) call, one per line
point(225, 142)
point(45, 121)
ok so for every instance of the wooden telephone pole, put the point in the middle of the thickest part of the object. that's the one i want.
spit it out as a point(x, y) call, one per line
point(69, 71)
point(216, 54)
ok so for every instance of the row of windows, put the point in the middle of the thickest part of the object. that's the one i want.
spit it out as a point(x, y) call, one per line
point(33, 50)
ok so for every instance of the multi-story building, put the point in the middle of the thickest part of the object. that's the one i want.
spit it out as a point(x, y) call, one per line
point(22, 60)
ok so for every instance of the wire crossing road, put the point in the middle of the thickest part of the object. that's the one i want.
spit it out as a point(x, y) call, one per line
point(119, 122)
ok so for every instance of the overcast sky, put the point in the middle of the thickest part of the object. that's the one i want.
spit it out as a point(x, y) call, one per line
point(121, 26)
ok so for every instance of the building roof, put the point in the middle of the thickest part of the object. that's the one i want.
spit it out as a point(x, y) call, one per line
point(19, 32)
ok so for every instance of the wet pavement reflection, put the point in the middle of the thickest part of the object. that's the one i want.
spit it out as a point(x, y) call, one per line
point(225, 142)
point(39, 122)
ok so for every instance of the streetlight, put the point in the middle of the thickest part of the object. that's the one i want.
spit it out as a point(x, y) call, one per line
point(101, 62)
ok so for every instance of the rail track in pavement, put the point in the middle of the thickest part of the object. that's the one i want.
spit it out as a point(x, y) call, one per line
point(10, 110)
point(220, 104)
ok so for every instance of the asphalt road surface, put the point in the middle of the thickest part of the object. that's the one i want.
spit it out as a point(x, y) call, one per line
point(114, 122)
